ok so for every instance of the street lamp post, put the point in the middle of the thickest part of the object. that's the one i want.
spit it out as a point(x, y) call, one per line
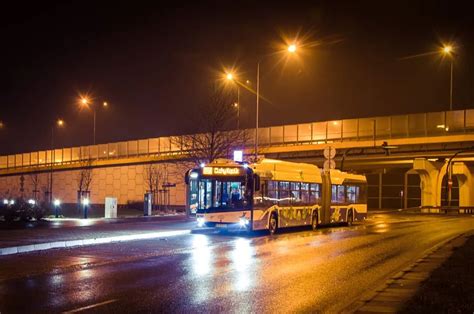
point(86, 102)
point(237, 107)
point(59, 123)
point(291, 49)
point(451, 88)
point(448, 51)
point(257, 109)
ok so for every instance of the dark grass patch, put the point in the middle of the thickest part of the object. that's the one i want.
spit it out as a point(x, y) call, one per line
point(450, 288)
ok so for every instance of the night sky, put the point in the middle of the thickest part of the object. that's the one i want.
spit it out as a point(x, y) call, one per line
point(156, 63)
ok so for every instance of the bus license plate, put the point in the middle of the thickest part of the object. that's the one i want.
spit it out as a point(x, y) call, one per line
point(221, 225)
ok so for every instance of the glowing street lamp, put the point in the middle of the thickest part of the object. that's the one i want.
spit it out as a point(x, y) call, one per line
point(292, 48)
point(447, 50)
point(86, 102)
point(56, 204)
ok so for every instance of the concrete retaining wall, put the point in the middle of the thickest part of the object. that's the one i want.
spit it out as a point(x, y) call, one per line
point(127, 183)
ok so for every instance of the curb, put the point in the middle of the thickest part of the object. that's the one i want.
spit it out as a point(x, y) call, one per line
point(92, 241)
point(401, 287)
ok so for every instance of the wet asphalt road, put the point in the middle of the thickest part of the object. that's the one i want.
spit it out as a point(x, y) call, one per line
point(325, 270)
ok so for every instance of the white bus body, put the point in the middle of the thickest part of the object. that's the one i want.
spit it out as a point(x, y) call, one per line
point(273, 194)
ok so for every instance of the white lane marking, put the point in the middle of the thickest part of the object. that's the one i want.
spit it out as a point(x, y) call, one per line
point(92, 241)
point(90, 306)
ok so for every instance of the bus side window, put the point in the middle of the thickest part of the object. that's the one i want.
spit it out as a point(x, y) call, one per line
point(315, 193)
point(305, 193)
point(271, 192)
point(352, 194)
point(284, 192)
point(295, 192)
point(338, 194)
point(333, 193)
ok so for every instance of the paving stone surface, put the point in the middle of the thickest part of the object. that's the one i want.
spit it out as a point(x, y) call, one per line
point(399, 290)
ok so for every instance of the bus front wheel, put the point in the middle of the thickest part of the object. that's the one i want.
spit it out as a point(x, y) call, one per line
point(273, 223)
point(314, 221)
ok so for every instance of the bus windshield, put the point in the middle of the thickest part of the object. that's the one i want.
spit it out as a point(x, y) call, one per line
point(226, 195)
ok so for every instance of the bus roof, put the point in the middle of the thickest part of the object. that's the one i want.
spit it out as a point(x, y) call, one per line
point(286, 171)
point(273, 169)
point(339, 177)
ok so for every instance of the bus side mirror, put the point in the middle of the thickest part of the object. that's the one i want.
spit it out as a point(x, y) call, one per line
point(256, 182)
point(186, 177)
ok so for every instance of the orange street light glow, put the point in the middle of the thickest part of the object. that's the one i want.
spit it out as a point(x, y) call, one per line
point(292, 48)
point(105, 104)
point(447, 49)
point(229, 76)
point(60, 122)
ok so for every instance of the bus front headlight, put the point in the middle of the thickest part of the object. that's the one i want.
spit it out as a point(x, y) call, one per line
point(200, 221)
point(243, 221)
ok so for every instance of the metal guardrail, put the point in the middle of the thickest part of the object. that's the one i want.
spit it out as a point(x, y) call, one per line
point(385, 127)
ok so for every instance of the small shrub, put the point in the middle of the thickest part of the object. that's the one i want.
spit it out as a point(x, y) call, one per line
point(40, 210)
point(22, 210)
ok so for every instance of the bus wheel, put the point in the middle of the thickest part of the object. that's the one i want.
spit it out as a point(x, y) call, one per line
point(273, 223)
point(314, 221)
point(350, 218)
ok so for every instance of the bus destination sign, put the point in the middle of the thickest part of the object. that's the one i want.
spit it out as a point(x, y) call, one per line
point(221, 171)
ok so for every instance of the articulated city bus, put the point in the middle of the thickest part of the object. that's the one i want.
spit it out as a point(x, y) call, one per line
point(273, 194)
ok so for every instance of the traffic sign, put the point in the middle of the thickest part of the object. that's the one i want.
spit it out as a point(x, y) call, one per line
point(329, 152)
point(169, 185)
point(329, 164)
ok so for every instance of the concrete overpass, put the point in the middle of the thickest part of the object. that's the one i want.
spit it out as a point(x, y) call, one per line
point(120, 169)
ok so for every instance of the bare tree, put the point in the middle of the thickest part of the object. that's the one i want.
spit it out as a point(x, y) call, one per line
point(212, 136)
point(151, 177)
point(35, 181)
point(159, 177)
point(84, 177)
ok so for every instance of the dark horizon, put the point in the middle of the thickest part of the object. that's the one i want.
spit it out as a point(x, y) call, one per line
point(153, 64)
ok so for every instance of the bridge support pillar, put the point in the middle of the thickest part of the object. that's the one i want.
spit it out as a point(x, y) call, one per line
point(466, 183)
point(431, 176)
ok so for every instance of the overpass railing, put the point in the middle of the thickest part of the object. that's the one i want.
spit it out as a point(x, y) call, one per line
point(385, 127)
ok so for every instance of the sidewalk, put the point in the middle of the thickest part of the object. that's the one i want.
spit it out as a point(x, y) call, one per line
point(73, 232)
point(450, 288)
point(440, 282)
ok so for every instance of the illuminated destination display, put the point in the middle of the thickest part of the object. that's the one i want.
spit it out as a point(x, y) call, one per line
point(221, 171)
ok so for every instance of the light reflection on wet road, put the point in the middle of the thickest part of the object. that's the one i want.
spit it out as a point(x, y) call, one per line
point(295, 271)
